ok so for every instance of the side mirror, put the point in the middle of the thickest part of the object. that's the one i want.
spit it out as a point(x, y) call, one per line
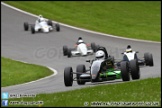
point(137, 52)
point(88, 61)
point(122, 53)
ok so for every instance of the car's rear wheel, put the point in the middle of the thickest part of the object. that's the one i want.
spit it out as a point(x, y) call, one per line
point(65, 50)
point(68, 76)
point(49, 22)
point(125, 71)
point(148, 59)
point(57, 27)
point(32, 29)
point(80, 69)
point(26, 26)
point(112, 58)
point(93, 46)
point(97, 47)
point(135, 70)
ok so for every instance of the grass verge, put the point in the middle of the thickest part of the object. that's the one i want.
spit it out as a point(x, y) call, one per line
point(145, 92)
point(131, 19)
point(14, 72)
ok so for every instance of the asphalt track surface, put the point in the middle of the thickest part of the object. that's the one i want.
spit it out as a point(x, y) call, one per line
point(46, 49)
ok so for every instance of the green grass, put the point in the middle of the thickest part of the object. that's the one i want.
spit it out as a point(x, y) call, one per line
point(131, 19)
point(147, 90)
point(14, 72)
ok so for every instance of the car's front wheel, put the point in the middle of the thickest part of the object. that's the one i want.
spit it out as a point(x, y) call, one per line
point(65, 50)
point(68, 76)
point(26, 26)
point(135, 70)
point(80, 69)
point(32, 29)
point(125, 71)
point(69, 53)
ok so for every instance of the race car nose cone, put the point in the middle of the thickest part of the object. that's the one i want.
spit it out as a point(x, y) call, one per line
point(84, 53)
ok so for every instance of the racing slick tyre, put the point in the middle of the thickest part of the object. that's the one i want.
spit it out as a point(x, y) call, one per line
point(69, 53)
point(32, 30)
point(65, 50)
point(125, 71)
point(49, 22)
point(148, 59)
point(57, 27)
point(68, 76)
point(26, 26)
point(93, 46)
point(97, 47)
point(80, 69)
point(135, 70)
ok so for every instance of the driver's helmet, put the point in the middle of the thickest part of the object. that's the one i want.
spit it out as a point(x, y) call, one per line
point(104, 50)
point(40, 16)
point(80, 41)
point(100, 54)
point(80, 38)
point(128, 49)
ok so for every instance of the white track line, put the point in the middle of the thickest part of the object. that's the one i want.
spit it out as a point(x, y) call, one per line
point(53, 70)
point(103, 34)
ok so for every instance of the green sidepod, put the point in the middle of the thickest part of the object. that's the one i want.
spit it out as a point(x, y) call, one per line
point(110, 73)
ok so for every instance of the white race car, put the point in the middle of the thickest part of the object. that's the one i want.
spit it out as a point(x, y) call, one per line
point(81, 49)
point(129, 55)
point(41, 25)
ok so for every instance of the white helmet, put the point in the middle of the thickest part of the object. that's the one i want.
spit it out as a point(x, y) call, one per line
point(100, 54)
point(128, 50)
point(80, 41)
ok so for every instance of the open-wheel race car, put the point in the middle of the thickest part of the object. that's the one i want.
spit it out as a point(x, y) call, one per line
point(81, 49)
point(146, 60)
point(41, 25)
point(103, 68)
